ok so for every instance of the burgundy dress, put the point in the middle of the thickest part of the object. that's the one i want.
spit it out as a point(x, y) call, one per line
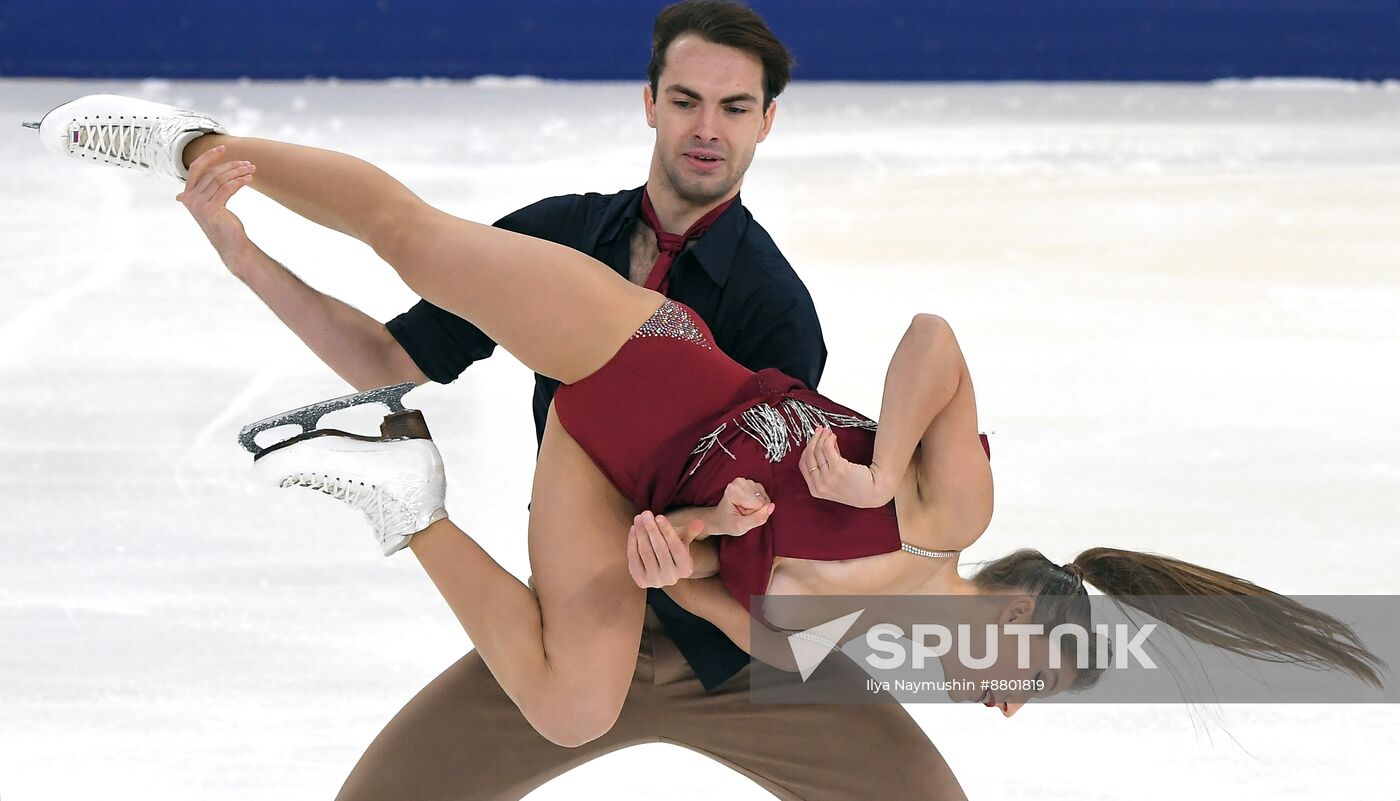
point(671, 420)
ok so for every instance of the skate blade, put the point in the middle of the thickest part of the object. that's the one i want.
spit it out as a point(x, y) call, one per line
point(307, 417)
point(33, 125)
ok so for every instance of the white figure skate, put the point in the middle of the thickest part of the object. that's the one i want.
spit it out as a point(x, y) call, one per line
point(396, 479)
point(124, 131)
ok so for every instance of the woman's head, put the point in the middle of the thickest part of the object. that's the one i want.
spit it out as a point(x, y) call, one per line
point(1232, 613)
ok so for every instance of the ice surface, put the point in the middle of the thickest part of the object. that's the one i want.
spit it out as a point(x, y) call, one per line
point(1180, 304)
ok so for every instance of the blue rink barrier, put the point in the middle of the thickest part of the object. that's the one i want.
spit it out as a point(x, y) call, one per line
point(972, 40)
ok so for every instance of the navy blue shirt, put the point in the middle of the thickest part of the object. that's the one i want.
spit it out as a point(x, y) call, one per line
point(734, 277)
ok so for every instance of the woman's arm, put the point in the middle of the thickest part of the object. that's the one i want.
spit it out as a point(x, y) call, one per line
point(924, 375)
point(658, 556)
point(744, 507)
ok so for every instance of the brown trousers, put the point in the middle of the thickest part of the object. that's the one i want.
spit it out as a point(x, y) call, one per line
point(461, 738)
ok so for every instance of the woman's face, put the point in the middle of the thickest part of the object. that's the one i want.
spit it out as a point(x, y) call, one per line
point(1021, 670)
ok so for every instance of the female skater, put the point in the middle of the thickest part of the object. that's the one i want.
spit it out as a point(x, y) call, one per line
point(655, 417)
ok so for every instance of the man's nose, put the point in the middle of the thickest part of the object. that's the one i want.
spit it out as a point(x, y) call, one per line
point(707, 127)
point(1010, 709)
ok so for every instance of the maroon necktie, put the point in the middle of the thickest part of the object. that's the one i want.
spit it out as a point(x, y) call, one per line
point(670, 245)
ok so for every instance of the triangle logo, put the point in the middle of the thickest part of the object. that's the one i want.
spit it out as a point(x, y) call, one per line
point(810, 647)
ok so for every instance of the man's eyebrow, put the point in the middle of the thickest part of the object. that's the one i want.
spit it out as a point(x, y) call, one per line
point(691, 93)
point(685, 90)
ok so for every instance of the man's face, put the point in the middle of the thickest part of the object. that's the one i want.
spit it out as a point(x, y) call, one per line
point(709, 117)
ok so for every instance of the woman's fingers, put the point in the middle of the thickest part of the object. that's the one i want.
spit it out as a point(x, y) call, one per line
point(810, 466)
point(756, 490)
point(759, 517)
point(808, 460)
point(816, 468)
point(830, 450)
point(822, 463)
point(745, 495)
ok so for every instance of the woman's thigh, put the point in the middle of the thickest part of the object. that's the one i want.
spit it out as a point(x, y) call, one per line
point(560, 311)
point(592, 612)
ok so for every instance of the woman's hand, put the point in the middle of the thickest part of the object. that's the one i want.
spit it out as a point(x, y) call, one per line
point(744, 507)
point(211, 183)
point(658, 555)
point(832, 478)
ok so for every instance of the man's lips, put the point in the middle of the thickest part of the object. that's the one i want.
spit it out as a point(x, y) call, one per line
point(703, 159)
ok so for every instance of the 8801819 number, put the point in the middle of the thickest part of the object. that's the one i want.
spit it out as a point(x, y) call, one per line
point(1016, 685)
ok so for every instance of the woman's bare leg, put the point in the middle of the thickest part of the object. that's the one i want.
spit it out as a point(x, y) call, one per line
point(564, 652)
point(559, 311)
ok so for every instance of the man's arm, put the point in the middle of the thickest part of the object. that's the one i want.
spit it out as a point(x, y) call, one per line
point(782, 331)
point(423, 344)
point(356, 346)
point(709, 599)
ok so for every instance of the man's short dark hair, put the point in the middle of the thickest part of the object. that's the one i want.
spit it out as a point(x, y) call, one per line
point(722, 22)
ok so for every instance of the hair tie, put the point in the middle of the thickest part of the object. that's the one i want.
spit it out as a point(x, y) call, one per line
point(1074, 570)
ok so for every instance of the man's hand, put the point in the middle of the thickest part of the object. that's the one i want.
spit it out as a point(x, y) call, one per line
point(744, 507)
point(830, 477)
point(657, 555)
point(212, 181)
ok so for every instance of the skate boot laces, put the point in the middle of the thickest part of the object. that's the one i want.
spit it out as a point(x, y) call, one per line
point(389, 517)
point(127, 142)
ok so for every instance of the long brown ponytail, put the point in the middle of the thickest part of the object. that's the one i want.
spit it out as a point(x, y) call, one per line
point(1266, 626)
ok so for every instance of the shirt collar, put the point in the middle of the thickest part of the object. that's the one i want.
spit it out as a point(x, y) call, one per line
point(714, 251)
point(621, 214)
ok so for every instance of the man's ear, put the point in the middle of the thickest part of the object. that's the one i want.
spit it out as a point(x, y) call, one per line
point(649, 103)
point(768, 120)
